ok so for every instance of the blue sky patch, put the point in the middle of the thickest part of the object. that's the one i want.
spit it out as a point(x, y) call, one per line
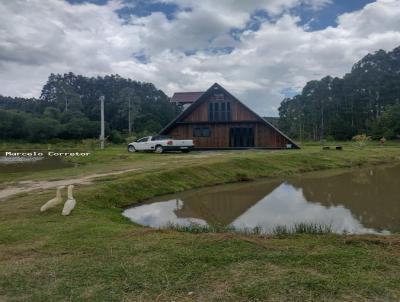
point(99, 2)
point(146, 8)
point(140, 8)
point(313, 19)
point(141, 57)
point(289, 92)
point(320, 19)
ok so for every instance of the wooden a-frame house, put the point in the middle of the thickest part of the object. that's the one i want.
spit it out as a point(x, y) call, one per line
point(216, 119)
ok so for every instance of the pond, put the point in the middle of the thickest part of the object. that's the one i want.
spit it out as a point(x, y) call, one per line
point(13, 164)
point(358, 201)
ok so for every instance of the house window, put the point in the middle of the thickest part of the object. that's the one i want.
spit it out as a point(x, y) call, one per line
point(201, 132)
point(205, 132)
point(219, 111)
point(216, 112)
point(210, 111)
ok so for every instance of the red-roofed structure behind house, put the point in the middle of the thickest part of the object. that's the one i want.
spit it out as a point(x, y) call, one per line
point(185, 99)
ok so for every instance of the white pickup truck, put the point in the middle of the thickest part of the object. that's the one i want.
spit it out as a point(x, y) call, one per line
point(160, 144)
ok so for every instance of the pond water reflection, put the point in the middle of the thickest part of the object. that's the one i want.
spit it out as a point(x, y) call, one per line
point(358, 201)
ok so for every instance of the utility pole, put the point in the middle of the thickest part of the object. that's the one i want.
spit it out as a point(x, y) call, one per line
point(129, 115)
point(101, 98)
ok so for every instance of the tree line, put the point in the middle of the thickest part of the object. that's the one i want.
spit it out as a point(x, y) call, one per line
point(69, 108)
point(366, 100)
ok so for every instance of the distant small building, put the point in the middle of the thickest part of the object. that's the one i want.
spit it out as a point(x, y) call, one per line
point(185, 99)
point(215, 119)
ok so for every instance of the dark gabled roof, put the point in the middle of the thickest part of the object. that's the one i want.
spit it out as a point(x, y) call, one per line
point(204, 96)
point(185, 97)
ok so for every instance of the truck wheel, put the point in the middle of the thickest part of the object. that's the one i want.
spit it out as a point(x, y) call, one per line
point(131, 148)
point(159, 149)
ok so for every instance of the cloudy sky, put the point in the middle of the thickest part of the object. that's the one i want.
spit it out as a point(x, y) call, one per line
point(260, 50)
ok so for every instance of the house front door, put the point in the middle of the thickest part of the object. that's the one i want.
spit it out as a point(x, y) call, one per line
point(241, 137)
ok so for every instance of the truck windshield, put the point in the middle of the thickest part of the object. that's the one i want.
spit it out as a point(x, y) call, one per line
point(144, 139)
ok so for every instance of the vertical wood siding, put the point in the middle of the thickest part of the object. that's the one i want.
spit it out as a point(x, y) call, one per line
point(265, 135)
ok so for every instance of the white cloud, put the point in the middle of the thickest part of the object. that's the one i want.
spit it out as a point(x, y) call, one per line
point(39, 37)
point(238, 9)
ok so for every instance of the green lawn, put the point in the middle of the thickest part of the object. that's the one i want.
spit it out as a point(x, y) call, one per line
point(97, 255)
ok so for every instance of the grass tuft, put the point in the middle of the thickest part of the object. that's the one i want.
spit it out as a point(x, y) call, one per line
point(279, 230)
point(302, 228)
point(196, 228)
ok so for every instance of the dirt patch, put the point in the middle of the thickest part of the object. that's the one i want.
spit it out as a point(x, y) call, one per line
point(28, 186)
point(378, 240)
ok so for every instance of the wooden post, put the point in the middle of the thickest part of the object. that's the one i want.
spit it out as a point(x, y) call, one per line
point(129, 116)
point(102, 122)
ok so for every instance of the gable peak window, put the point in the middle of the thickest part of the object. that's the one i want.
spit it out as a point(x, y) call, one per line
point(219, 96)
point(219, 111)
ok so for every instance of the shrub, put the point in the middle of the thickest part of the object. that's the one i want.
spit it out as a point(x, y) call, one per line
point(361, 140)
point(115, 137)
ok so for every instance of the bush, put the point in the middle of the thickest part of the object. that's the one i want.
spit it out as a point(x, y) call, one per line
point(80, 127)
point(115, 137)
point(361, 140)
point(388, 124)
point(130, 139)
point(13, 124)
point(90, 143)
point(41, 129)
